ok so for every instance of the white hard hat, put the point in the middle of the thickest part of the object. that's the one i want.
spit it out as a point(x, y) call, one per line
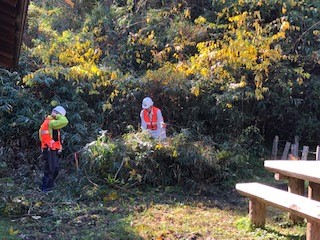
point(147, 102)
point(60, 110)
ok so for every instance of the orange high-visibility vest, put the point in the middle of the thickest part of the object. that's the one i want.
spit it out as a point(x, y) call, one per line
point(151, 123)
point(46, 137)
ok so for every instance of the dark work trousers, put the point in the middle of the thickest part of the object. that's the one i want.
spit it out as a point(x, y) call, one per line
point(51, 168)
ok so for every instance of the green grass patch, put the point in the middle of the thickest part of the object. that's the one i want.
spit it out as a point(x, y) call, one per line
point(79, 209)
point(8, 230)
point(162, 213)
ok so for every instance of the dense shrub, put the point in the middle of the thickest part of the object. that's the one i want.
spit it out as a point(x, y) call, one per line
point(136, 158)
point(18, 118)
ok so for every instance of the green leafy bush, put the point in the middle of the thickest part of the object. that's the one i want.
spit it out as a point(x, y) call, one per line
point(136, 158)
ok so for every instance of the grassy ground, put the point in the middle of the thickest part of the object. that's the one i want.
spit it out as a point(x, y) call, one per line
point(7, 229)
point(87, 211)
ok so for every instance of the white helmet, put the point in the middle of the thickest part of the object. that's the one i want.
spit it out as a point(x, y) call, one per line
point(60, 110)
point(147, 102)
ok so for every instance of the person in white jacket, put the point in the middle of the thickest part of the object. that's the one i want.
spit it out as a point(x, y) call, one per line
point(152, 119)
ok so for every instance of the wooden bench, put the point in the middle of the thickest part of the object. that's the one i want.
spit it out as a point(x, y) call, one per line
point(261, 195)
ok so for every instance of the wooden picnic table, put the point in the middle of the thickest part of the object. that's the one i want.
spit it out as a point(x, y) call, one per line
point(298, 172)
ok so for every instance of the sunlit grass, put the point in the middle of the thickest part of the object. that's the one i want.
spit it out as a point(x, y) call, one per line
point(180, 221)
point(160, 213)
point(151, 214)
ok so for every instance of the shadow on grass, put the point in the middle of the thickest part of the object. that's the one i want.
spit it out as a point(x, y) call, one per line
point(72, 211)
point(83, 210)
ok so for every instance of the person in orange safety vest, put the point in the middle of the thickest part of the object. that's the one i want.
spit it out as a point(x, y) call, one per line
point(152, 119)
point(49, 135)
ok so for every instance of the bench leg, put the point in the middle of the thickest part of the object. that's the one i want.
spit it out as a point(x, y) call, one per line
point(296, 186)
point(314, 191)
point(257, 212)
point(313, 231)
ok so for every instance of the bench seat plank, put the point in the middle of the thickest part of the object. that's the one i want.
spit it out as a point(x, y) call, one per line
point(299, 205)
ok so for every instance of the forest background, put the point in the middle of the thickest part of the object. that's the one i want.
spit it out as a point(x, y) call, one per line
point(228, 76)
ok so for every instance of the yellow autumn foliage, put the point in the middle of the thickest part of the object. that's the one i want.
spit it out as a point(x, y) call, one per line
point(241, 48)
point(285, 26)
point(200, 20)
point(72, 57)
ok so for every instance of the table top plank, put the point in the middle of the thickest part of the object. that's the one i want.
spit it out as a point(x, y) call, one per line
point(301, 169)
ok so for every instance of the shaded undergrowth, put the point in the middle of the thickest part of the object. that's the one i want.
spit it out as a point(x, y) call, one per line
point(79, 208)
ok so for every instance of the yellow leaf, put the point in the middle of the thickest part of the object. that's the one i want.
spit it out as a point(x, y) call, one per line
point(284, 26)
point(13, 232)
point(113, 76)
point(187, 13)
point(229, 105)
point(284, 10)
point(242, 84)
point(195, 90)
point(300, 81)
point(258, 94)
point(200, 20)
point(175, 153)
point(158, 146)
